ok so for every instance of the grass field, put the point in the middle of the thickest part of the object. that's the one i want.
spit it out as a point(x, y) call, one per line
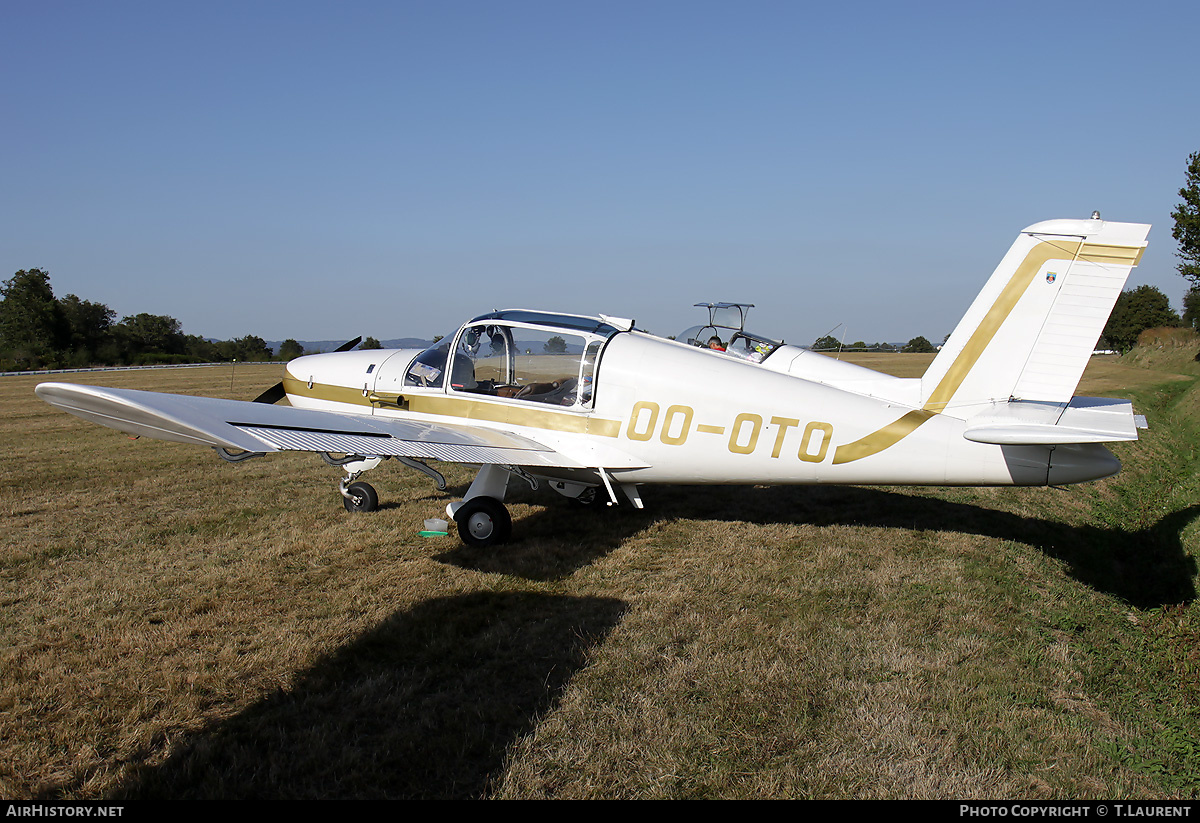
point(175, 626)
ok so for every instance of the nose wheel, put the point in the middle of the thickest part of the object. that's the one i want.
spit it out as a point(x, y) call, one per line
point(356, 497)
point(483, 522)
point(359, 497)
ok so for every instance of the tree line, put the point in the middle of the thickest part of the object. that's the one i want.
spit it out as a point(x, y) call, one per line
point(1136, 310)
point(830, 343)
point(41, 331)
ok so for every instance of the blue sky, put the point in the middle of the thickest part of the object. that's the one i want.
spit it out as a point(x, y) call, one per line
point(323, 170)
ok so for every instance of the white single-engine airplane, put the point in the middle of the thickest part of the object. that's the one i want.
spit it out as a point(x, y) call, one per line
point(591, 404)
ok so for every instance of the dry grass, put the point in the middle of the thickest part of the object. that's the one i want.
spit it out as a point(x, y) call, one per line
point(1105, 374)
point(897, 364)
point(174, 626)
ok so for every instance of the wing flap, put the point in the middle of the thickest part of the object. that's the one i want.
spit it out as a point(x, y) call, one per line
point(286, 439)
point(235, 424)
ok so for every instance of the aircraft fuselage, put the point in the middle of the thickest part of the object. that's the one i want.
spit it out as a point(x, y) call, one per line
point(664, 411)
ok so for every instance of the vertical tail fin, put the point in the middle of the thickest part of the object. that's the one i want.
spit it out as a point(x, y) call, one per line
point(1030, 332)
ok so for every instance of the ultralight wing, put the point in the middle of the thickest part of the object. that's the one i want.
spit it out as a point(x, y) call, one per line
point(258, 427)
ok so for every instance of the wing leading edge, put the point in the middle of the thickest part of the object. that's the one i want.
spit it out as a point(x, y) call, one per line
point(257, 427)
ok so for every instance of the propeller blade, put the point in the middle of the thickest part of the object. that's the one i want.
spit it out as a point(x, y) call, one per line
point(272, 395)
point(276, 392)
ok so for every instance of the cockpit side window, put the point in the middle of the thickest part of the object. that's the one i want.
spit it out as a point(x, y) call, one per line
point(536, 365)
point(482, 359)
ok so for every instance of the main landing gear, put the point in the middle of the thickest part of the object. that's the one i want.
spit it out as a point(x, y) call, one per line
point(483, 521)
point(481, 516)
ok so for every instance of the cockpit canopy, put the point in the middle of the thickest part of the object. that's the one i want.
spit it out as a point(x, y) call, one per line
point(725, 332)
point(518, 354)
point(727, 315)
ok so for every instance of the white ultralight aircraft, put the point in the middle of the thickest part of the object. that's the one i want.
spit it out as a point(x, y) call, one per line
point(591, 404)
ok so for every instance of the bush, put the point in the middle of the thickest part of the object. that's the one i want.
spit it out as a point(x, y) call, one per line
point(1167, 337)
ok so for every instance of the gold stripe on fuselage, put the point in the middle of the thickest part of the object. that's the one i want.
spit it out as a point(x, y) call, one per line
point(1011, 294)
point(994, 319)
point(320, 391)
point(888, 436)
point(519, 413)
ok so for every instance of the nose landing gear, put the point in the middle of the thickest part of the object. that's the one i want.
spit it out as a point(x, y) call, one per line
point(358, 497)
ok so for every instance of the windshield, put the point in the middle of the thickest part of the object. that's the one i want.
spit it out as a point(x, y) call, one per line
point(428, 367)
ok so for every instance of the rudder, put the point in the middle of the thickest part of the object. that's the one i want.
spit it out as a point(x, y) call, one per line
point(1031, 330)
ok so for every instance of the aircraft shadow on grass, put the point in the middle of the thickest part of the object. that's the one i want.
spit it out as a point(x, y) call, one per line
point(1146, 568)
point(380, 717)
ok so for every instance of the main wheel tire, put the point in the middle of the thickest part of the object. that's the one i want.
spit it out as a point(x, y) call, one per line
point(483, 522)
point(362, 498)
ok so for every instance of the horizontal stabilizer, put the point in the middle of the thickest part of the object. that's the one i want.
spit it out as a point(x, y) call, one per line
point(1085, 420)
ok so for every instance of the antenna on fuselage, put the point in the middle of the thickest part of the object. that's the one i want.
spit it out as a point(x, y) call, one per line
point(842, 342)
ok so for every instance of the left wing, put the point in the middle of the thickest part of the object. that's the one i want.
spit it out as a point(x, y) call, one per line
point(258, 427)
